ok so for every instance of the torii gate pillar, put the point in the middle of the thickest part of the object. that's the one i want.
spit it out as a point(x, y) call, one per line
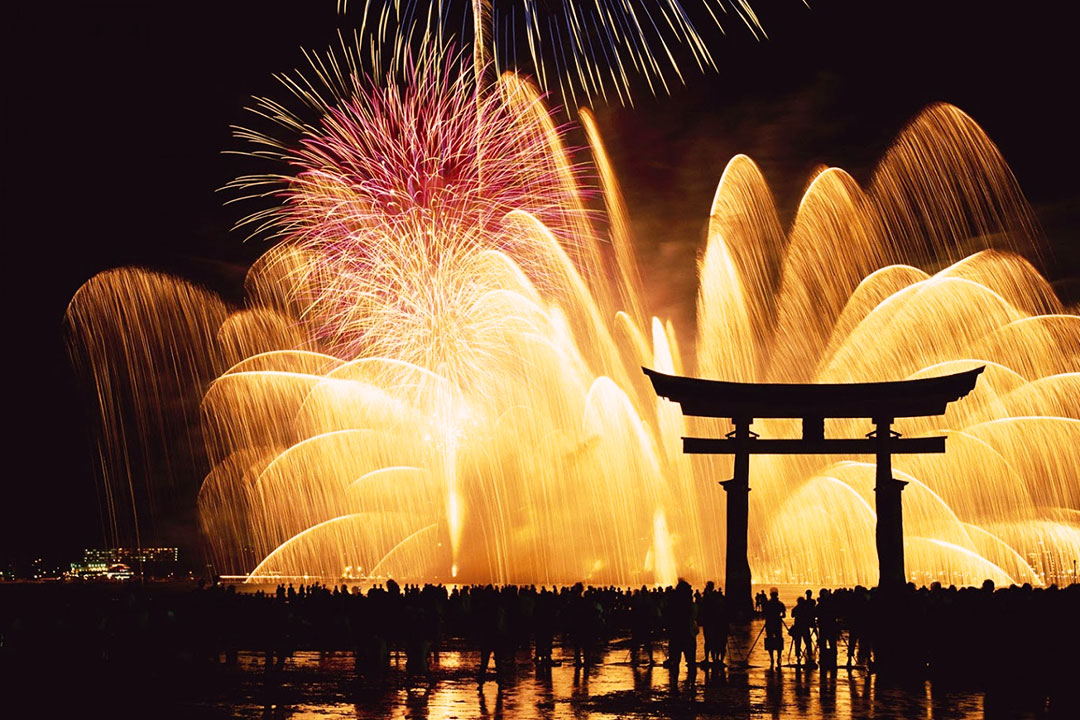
point(889, 533)
point(736, 565)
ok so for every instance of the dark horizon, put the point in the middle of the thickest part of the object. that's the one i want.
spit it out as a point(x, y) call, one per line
point(120, 113)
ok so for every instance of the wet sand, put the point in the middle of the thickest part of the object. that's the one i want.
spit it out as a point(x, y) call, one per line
point(315, 685)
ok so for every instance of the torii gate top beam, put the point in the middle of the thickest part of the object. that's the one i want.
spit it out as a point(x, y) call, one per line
point(904, 398)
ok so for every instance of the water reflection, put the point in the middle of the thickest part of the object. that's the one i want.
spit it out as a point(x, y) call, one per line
point(325, 685)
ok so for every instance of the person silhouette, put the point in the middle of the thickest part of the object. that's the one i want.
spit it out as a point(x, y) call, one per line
point(714, 622)
point(682, 627)
point(774, 611)
point(643, 618)
point(802, 622)
point(828, 629)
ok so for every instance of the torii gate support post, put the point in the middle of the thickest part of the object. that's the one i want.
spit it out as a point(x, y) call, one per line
point(889, 533)
point(737, 566)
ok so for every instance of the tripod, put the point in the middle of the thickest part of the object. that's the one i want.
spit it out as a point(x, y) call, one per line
point(754, 645)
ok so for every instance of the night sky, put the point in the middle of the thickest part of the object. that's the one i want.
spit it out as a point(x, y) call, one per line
point(117, 113)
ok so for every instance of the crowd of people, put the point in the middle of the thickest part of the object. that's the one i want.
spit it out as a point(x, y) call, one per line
point(212, 624)
point(962, 634)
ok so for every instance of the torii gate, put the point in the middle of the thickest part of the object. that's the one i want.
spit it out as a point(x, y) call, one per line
point(881, 402)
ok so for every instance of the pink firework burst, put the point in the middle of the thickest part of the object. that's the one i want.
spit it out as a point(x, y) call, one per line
point(396, 191)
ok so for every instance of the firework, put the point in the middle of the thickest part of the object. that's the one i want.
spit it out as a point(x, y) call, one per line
point(433, 378)
point(583, 51)
point(398, 196)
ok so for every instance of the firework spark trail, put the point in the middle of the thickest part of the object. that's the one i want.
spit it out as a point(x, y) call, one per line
point(433, 378)
point(584, 50)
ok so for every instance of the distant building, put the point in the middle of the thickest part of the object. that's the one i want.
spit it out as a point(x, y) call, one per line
point(132, 555)
point(121, 563)
point(87, 570)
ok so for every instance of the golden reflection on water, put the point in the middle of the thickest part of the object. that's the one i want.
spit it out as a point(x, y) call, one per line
point(325, 686)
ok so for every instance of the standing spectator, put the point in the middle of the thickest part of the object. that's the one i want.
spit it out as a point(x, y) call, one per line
point(775, 611)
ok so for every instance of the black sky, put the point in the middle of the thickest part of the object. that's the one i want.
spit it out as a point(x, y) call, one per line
point(116, 114)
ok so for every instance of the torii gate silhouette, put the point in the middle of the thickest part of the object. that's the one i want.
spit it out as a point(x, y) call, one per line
point(881, 402)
